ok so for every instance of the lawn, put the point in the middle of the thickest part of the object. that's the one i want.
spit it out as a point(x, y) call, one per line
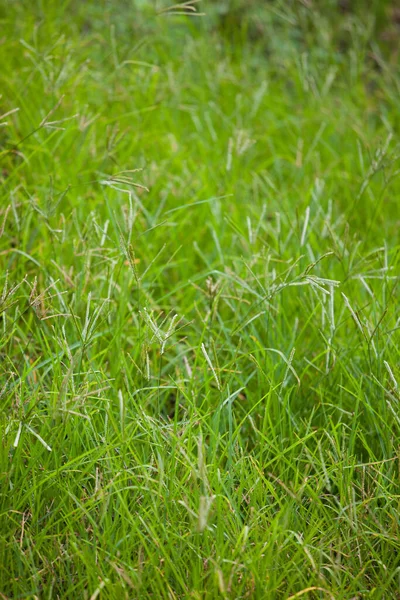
point(199, 322)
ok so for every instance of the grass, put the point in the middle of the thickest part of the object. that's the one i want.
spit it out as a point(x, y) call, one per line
point(199, 252)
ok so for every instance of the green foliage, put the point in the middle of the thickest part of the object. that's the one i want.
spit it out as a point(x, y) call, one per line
point(199, 333)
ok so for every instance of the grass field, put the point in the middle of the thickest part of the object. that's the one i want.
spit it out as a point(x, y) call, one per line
point(199, 323)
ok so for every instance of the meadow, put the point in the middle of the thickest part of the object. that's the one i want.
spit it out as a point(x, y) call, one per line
point(199, 323)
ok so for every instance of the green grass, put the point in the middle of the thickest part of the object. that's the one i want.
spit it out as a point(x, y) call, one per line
point(199, 330)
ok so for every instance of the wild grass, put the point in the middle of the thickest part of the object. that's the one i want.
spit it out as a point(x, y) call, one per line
point(199, 325)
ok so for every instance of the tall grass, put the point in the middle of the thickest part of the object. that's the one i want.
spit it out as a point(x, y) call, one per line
point(199, 325)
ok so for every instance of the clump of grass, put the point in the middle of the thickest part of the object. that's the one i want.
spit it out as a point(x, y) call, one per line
point(199, 330)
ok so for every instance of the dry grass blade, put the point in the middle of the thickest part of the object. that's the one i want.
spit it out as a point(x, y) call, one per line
point(183, 8)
